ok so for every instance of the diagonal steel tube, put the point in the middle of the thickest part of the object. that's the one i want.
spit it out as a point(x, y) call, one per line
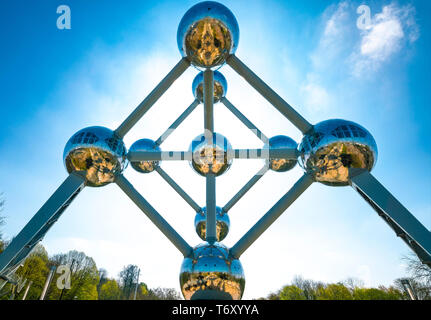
point(42, 221)
point(245, 188)
point(154, 216)
point(405, 225)
point(256, 231)
point(244, 120)
point(154, 95)
point(178, 189)
point(269, 94)
point(211, 225)
point(177, 122)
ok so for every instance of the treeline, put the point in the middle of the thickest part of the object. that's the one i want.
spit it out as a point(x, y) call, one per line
point(87, 282)
point(353, 289)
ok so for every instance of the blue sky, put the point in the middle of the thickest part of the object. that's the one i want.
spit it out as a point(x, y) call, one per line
point(54, 82)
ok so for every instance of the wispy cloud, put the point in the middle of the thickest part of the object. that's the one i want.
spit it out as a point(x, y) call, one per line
point(390, 31)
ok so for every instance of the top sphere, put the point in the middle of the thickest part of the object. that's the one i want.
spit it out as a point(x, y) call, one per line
point(220, 86)
point(334, 146)
point(207, 34)
point(98, 152)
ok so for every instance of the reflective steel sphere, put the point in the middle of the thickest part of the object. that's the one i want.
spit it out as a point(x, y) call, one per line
point(96, 151)
point(220, 86)
point(207, 34)
point(333, 147)
point(210, 158)
point(278, 142)
point(144, 145)
point(210, 273)
point(222, 225)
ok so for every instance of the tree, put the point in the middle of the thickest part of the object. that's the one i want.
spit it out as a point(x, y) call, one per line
point(128, 280)
point(84, 277)
point(163, 294)
point(418, 270)
point(110, 290)
point(291, 293)
point(335, 291)
point(34, 269)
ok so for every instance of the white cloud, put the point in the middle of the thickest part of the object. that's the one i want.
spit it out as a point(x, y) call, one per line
point(391, 30)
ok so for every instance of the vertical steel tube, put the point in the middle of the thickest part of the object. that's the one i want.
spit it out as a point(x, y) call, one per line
point(269, 94)
point(154, 95)
point(153, 215)
point(208, 96)
point(256, 231)
point(178, 189)
point(177, 122)
point(245, 188)
point(211, 225)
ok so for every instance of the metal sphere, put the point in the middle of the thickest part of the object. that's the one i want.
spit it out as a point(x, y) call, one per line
point(210, 157)
point(222, 224)
point(210, 273)
point(278, 142)
point(207, 34)
point(333, 147)
point(220, 86)
point(98, 152)
point(144, 145)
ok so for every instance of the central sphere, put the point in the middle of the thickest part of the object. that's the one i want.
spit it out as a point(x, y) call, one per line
point(210, 273)
point(279, 142)
point(334, 146)
point(144, 145)
point(220, 86)
point(222, 224)
point(98, 152)
point(210, 157)
point(207, 34)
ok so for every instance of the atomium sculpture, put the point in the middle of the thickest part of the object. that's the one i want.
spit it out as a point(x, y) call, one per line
point(333, 152)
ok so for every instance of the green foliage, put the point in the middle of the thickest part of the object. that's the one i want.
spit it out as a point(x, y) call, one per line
point(291, 293)
point(335, 291)
point(110, 290)
point(84, 277)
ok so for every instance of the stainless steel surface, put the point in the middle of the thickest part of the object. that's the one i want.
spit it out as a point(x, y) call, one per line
point(245, 188)
point(154, 95)
point(210, 157)
point(405, 225)
point(210, 273)
point(220, 86)
point(159, 155)
point(34, 231)
point(177, 122)
point(97, 152)
point(207, 34)
point(211, 224)
point(154, 216)
point(178, 189)
point(265, 222)
point(244, 120)
point(334, 146)
point(222, 224)
point(208, 104)
point(269, 94)
point(143, 145)
point(282, 164)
